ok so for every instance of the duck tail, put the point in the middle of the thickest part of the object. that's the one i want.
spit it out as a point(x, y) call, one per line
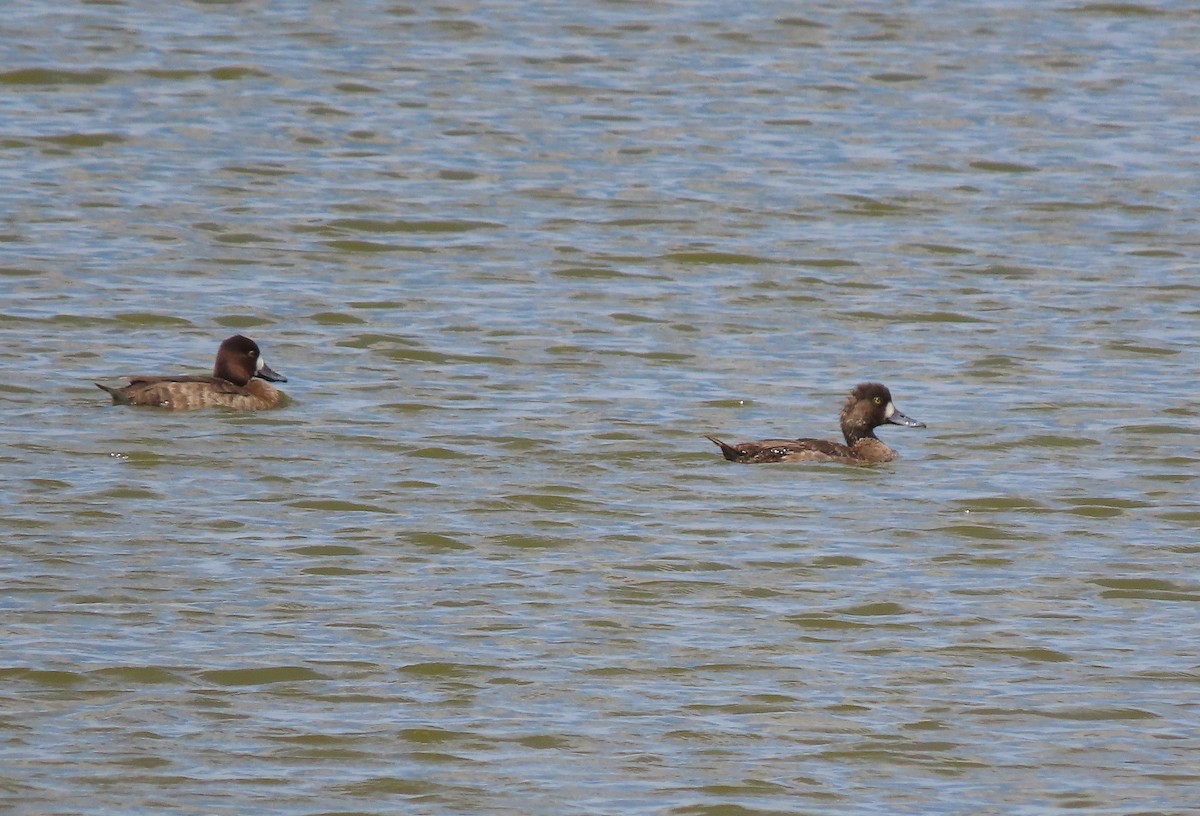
point(729, 451)
point(117, 397)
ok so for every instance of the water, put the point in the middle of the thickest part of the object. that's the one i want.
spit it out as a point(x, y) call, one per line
point(516, 260)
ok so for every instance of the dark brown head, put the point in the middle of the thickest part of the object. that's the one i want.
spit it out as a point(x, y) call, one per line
point(868, 407)
point(239, 360)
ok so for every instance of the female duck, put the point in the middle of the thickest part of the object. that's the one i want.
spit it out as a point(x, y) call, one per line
point(237, 382)
point(869, 406)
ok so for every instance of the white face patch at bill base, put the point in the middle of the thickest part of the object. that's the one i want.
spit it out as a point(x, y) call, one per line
point(889, 410)
point(258, 366)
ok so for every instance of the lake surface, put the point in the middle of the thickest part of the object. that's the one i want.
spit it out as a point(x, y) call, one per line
point(516, 260)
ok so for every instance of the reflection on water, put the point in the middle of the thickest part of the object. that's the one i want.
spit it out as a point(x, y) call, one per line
point(516, 261)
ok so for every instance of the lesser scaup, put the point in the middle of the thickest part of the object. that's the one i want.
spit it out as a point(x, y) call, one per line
point(869, 406)
point(236, 383)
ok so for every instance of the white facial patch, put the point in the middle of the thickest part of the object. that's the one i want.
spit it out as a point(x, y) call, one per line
point(259, 364)
point(889, 410)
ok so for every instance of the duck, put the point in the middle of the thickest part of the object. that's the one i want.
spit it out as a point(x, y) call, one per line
point(239, 381)
point(868, 406)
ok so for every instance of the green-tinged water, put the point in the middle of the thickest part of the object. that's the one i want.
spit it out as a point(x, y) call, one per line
point(516, 260)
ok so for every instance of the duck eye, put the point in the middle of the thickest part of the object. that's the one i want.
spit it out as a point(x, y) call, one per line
point(877, 400)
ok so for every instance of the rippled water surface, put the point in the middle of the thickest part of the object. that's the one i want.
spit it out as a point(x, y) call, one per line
point(516, 260)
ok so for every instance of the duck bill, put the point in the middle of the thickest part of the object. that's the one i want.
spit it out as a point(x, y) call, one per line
point(897, 418)
point(269, 374)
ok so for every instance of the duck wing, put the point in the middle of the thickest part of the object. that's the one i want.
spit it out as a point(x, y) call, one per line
point(171, 392)
point(216, 384)
point(782, 450)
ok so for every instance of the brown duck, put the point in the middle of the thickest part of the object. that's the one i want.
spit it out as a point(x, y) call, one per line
point(868, 407)
point(237, 382)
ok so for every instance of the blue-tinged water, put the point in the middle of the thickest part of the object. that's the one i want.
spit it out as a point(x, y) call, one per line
point(516, 260)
